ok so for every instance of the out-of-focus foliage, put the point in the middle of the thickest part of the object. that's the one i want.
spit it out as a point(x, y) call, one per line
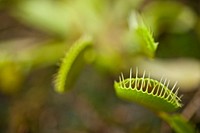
point(177, 22)
point(172, 16)
point(79, 49)
point(61, 17)
point(35, 34)
point(143, 40)
point(178, 123)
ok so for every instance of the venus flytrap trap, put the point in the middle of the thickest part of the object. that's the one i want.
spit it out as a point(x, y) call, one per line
point(148, 92)
point(64, 78)
point(143, 36)
point(154, 95)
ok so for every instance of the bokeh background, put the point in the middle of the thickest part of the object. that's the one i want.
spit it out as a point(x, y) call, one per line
point(36, 34)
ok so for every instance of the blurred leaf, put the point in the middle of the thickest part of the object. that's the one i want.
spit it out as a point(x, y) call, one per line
point(143, 40)
point(46, 15)
point(37, 56)
point(60, 17)
point(178, 18)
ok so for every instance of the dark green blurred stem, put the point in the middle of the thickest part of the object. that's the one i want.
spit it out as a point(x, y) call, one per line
point(178, 123)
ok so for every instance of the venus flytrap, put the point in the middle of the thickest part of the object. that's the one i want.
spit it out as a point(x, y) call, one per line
point(64, 77)
point(148, 92)
point(156, 96)
point(142, 35)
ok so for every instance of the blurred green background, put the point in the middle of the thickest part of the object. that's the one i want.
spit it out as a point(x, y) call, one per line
point(36, 34)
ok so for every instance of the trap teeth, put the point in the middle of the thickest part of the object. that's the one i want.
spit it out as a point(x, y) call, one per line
point(149, 92)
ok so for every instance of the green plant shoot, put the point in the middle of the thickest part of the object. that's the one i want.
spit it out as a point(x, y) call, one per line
point(142, 36)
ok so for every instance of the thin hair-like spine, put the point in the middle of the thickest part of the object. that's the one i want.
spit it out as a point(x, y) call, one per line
point(150, 86)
